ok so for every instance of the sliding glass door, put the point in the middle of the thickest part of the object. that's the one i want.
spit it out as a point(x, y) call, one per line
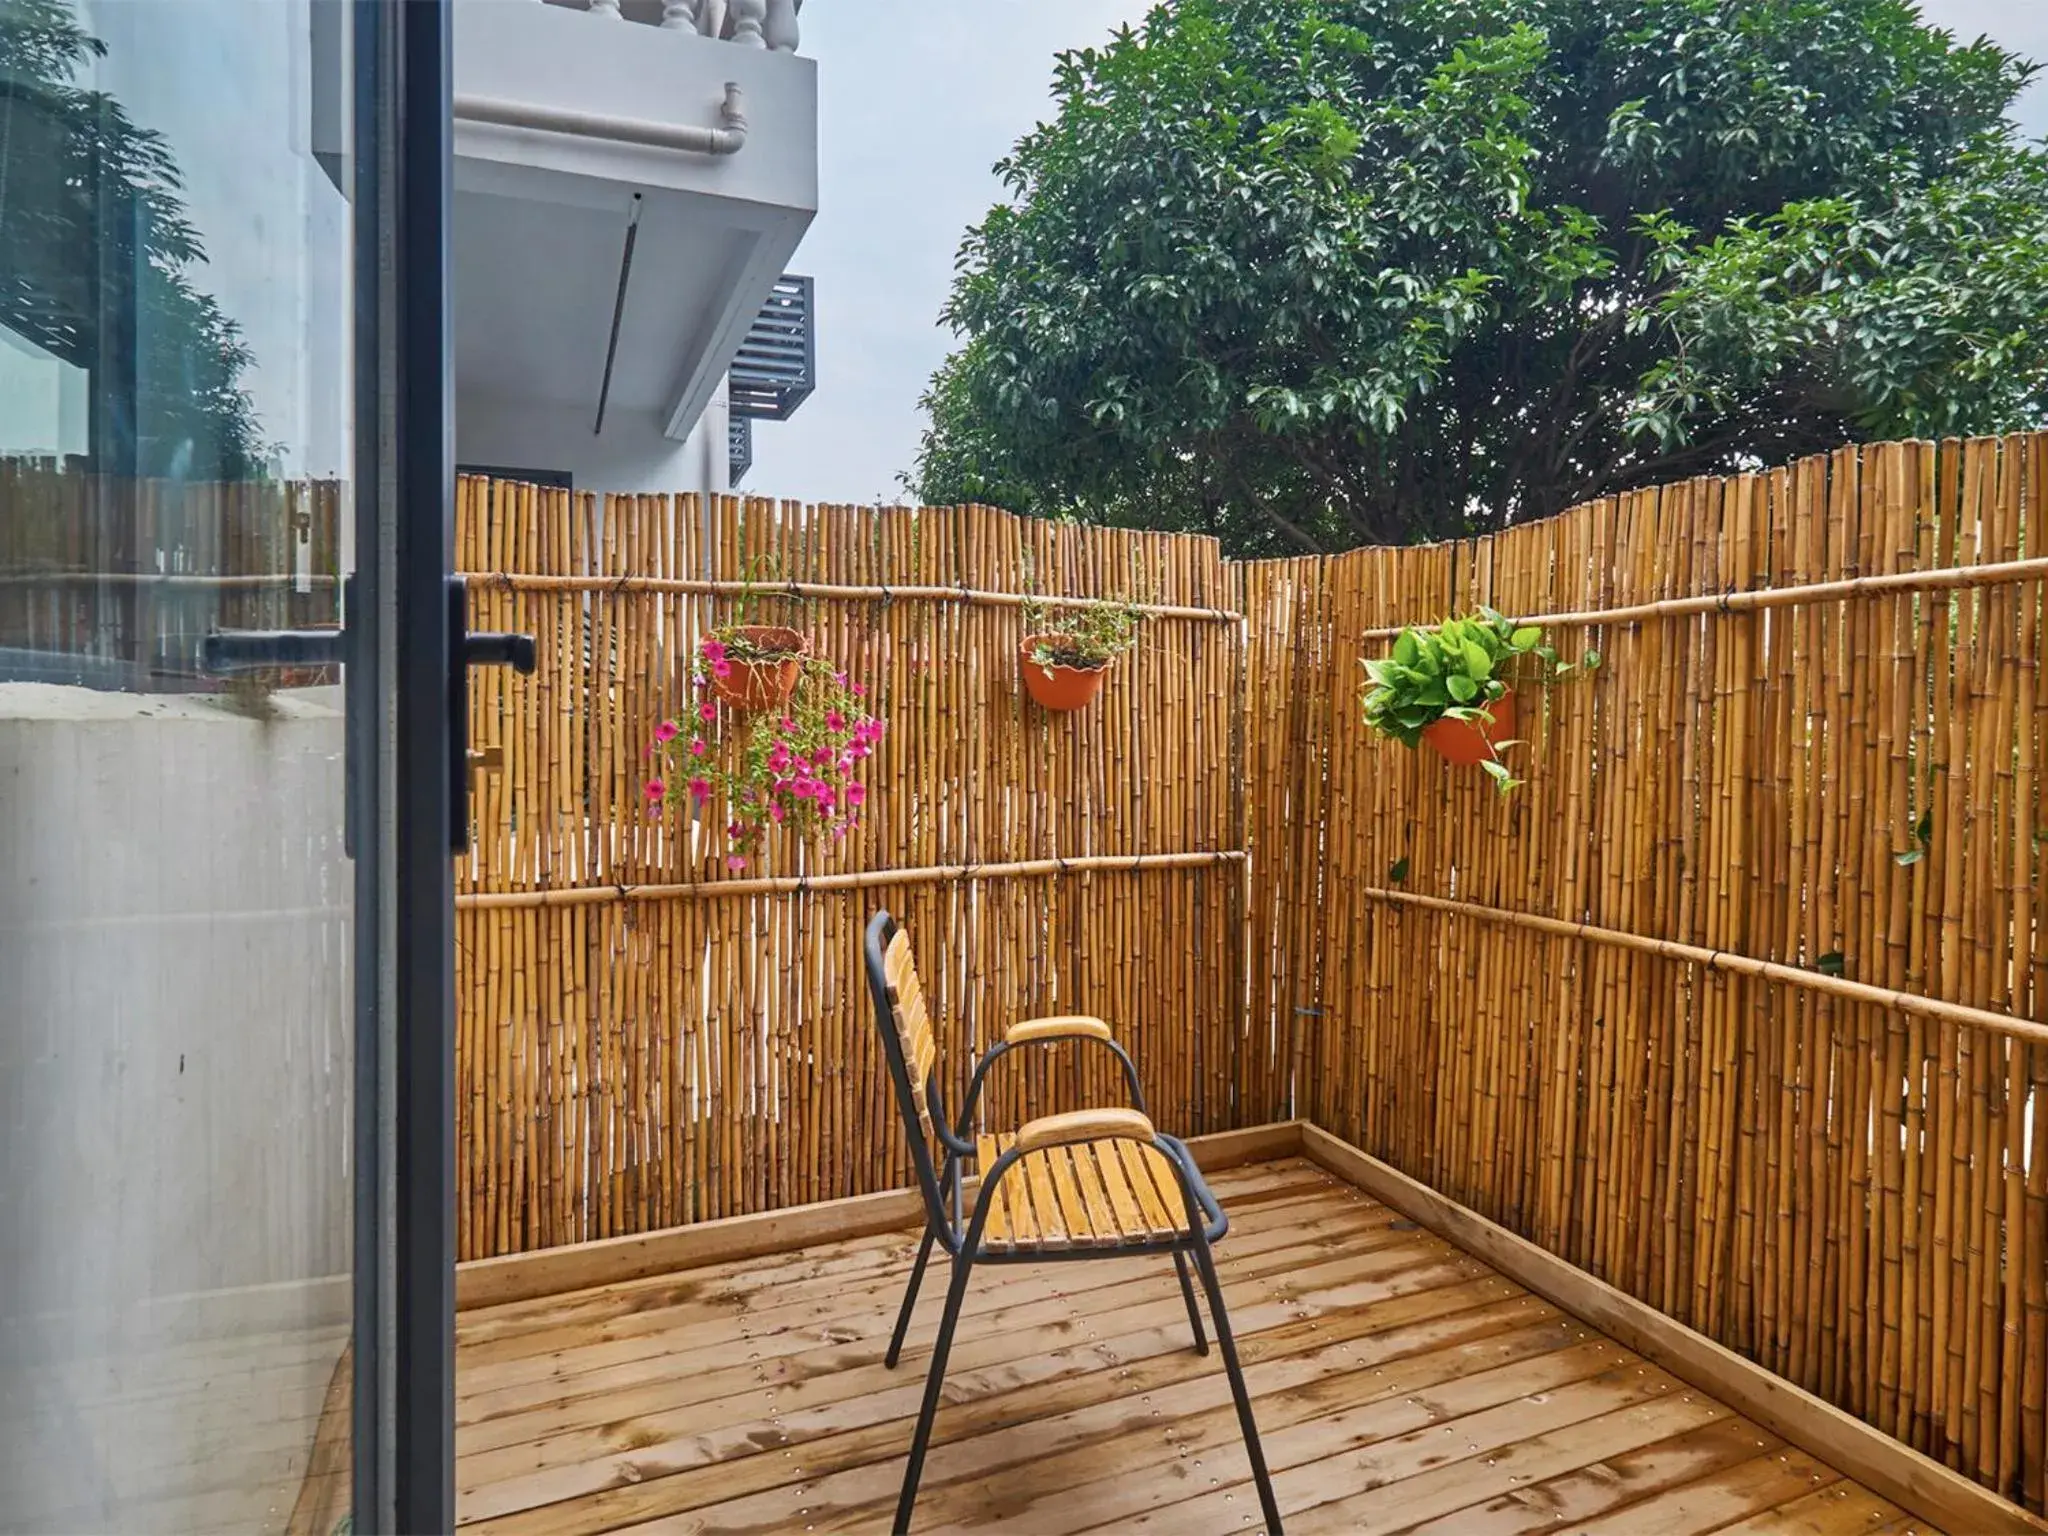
point(225, 721)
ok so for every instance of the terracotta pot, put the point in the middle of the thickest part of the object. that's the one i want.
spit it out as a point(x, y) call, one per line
point(1059, 688)
point(1466, 742)
point(764, 684)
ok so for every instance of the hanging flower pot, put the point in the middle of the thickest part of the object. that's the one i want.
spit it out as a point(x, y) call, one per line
point(753, 666)
point(1065, 660)
point(1469, 742)
point(1054, 685)
point(1451, 685)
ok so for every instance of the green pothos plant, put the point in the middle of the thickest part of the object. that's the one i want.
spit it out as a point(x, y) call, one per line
point(1458, 670)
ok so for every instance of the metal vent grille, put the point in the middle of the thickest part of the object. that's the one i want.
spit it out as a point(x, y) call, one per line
point(777, 365)
point(739, 449)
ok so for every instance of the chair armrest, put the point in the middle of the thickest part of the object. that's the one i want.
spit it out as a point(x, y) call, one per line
point(1084, 1125)
point(1055, 1028)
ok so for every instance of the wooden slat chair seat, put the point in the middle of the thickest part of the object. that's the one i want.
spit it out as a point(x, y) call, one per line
point(1090, 1183)
point(1109, 1193)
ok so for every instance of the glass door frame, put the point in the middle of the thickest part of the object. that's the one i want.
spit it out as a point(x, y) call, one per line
point(402, 738)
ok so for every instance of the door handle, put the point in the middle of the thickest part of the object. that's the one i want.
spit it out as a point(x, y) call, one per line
point(472, 648)
point(225, 652)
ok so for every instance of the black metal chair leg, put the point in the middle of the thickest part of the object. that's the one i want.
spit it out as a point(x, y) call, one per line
point(1245, 1422)
point(924, 1252)
point(934, 1380)
point(1187, 1291)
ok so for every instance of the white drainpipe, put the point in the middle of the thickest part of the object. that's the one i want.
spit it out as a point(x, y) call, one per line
point(687, 137)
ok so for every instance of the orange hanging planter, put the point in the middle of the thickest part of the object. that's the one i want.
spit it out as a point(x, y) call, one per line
point(1059, 688)
point(766, 679)
point(1469, 742)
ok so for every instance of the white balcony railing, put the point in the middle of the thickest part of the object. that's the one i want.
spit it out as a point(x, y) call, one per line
point(744, 23)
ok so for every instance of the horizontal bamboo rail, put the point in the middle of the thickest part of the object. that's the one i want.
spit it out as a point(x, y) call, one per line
point(857, 880)
point(819, 591)
point(1758, 598)
point(1722, 960)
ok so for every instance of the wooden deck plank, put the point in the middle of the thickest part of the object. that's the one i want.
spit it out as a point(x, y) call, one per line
point(1840, 1509)
point(1736, 1493)
point(1156, 1359)
point(736, 1356)
point(1112, 1484)
point(784, 1414)
point(1400, 1384)
point(1606, 1485)
point(706, 1321)
point(1023, 1478)
point(876, 1263)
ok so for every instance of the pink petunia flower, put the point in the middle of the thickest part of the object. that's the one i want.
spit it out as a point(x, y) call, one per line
point(700, 789)
point(786, 725)
point(699, 746)
point(858, 690)
point(714, 650)
point(667, 732)
point(834, 721)
point(735, 829)
point(707, 711)
point(856, 794)
point(776, 812)
point(656, 789)
point(721, 669)
point(735, 861)
point(778, 759)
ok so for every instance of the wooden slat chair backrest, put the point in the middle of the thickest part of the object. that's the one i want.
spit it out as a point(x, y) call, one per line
point(912, 1016)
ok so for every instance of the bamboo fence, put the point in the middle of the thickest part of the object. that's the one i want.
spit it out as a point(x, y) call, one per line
point(1738, 1002)
point(647, 1039)
point(131, 575)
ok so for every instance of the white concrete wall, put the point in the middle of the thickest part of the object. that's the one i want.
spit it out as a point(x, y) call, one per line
point(556, 56)
point(541, 217)
point(175, 1105)
point(632, 453)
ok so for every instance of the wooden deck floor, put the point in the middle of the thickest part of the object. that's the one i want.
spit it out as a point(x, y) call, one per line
point(1400, 1385)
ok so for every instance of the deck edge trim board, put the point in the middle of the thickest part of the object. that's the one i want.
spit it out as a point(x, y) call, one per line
point(1889, 1467)
point(609, 1260)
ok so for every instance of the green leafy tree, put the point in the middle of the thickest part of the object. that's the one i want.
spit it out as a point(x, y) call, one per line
point(1315, 273)
point(97, 257)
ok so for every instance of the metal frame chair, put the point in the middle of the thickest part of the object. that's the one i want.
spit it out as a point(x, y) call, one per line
point(1125, 1136)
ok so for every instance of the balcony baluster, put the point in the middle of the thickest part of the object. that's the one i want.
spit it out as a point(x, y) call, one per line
point(748, 16)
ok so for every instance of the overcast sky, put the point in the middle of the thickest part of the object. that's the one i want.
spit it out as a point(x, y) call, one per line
point(917, 99)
